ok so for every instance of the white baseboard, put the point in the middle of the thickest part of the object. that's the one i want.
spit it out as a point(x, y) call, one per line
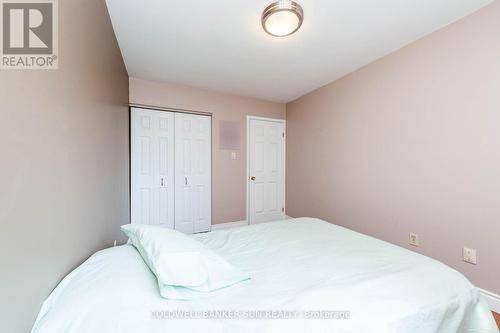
point(235, 224)
point(229, 225)
point(492, 299)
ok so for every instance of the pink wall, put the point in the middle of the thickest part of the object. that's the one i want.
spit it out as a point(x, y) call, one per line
point(228, 176)
point(410, 143)
point(64, 161)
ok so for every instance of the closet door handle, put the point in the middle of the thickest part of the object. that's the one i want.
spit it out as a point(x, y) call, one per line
point(185, 180)
point(162, 181)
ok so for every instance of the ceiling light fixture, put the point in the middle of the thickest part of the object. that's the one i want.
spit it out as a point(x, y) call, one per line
point(282, 18)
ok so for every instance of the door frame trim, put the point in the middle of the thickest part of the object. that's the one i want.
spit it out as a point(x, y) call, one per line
point(277, 120)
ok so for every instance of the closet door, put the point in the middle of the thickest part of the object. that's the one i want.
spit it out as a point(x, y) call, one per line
point(192, 173)
point(152, 167)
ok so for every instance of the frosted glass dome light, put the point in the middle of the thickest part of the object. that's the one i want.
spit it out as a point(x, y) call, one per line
point(282, 18)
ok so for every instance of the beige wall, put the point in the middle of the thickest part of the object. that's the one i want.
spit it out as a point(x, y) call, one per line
point(410, 143)
point(64, 162)
point(228, 176)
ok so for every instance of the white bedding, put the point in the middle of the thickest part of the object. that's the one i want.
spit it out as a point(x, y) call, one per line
point(298, 265)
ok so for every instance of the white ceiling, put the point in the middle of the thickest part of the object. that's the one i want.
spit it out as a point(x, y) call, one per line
point(220, 45)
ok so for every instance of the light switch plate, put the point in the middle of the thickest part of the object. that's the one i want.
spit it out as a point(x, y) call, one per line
point(233, 155)
point(470, 255)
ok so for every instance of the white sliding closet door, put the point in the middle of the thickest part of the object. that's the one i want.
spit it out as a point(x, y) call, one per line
point(192, 173)
point(152, 167)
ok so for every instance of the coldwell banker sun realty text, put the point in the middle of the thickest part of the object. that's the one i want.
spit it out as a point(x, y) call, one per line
point(29, 34)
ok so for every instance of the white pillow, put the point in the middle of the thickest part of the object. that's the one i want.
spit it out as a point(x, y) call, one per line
point(185, 268)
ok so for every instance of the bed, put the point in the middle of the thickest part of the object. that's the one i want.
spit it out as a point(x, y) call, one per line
point(306, 276)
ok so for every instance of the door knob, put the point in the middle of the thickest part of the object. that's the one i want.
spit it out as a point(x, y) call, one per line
point(252, 178)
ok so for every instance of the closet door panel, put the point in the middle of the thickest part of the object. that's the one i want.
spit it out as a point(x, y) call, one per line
point(142, 163)
point(193, 173)
point(183, 166)
point(152, 167)
point(202, 174)
point(166, 169)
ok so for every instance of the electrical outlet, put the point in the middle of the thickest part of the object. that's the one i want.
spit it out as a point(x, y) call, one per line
point(413, 239)
point(470, 255)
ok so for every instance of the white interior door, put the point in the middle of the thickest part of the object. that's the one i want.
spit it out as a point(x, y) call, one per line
point(152, 167)
point(193, 209)
point(266, 170)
